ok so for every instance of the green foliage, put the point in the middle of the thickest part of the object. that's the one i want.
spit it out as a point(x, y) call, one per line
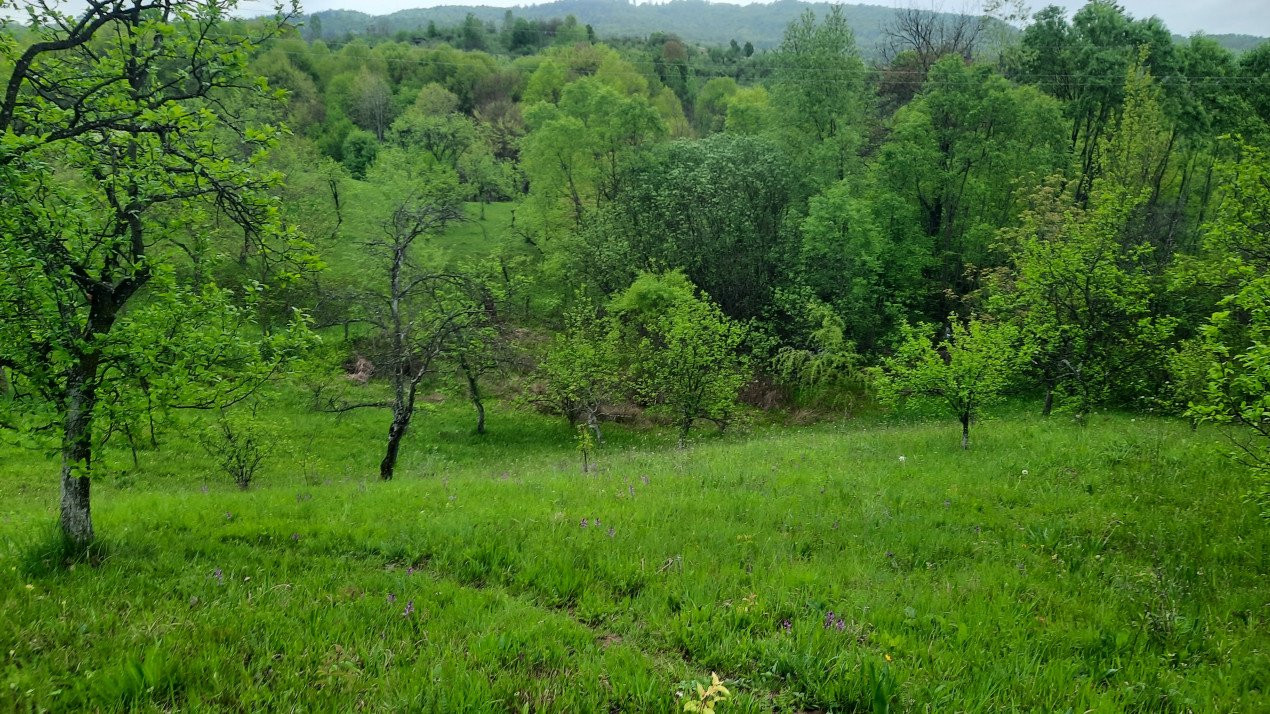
point(853, 258)
point(829, 363)
point(581, 369)
point(967, 370)
point(358, 152)
point(97, 207)
point(1234, 345)
point(685, 350)
point(958, 155)
point(821, 120)
point(717, 209)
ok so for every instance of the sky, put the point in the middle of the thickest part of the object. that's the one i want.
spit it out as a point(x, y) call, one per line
point(1249, 17)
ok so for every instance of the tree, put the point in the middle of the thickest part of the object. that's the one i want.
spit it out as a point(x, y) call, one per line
point(822, 117)
point(581, 372)
point(966, 371)
point(418, 311)
point(444, 137)
point(716, 209)
point(862, 254)
point(1234, 344)
point(931, 36)
point(1080, 283)
point(369, 103)
point(688, 358)
point(116, 135)
point(359, 151)
point(958, 154)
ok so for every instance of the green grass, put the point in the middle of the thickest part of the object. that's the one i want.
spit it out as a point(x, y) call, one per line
point(1122, 572)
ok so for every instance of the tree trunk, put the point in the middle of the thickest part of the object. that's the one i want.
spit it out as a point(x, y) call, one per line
point(77, 453)
point(1049, 401)
point(474, 393)
point(594, 425)
point(965, 431)
point(400, 422)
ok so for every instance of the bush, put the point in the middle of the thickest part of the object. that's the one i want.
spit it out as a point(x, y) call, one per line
point(238, 445)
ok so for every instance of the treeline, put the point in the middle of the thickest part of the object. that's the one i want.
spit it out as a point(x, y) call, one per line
point(1073, 190)
point(1077, 215)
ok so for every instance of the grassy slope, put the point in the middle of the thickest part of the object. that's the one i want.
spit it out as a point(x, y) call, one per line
point(1122, 572)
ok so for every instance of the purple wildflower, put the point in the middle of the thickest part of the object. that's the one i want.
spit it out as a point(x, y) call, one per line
point(840, 624)
point(947, 503)
point(829, 619)
point(786, 625)
point(220, 576)
point(611, 532)
point(410, 570)
point(583, 524)
point(835, 525)
point(391, 598)
point(644, 478)
point(229, 516)
point(631, 489)
point(597, 523)
point(410, 608)
point(295, 536)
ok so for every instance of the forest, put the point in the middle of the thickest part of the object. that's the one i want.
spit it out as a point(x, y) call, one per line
point(521, 365)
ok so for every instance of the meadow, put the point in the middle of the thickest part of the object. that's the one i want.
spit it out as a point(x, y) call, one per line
point(867, 565)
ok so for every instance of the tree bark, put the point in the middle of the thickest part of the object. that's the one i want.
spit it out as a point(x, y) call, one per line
point(1049, 401)
point(400, 422)
point(594, 425)
point(965, 431)
point(474, 393)
point(77, 451)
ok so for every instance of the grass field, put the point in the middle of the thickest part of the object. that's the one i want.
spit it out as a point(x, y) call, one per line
point(1054, 567)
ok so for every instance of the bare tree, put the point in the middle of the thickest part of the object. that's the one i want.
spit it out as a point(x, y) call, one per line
point(419, 312)
point(931, 34)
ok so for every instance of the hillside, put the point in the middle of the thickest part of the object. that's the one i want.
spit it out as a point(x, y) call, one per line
point(693, 20)
point(1111, 567)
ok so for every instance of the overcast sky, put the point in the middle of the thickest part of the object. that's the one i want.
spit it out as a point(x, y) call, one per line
point(1250, 17)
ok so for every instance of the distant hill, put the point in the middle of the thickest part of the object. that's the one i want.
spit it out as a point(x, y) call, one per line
point(1234, 43)
point(694, 20)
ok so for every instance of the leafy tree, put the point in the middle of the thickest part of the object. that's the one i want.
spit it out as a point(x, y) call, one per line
point(435, 100)
point(1081, 287)
point(712, 104)
point(959, 153)
point(1234, 344)
point(359, 151)
point(966, 371)
point(581, 371)
point(750, 112)
point(687, 351)
point(575, 153)
point(444, 137)
point(827, 364)
point(717, 209)
point(858, 258)
point(116, 136)
point(369, 103)
point(822, 118)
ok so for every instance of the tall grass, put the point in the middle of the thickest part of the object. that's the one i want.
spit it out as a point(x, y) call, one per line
point(1053, 567)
